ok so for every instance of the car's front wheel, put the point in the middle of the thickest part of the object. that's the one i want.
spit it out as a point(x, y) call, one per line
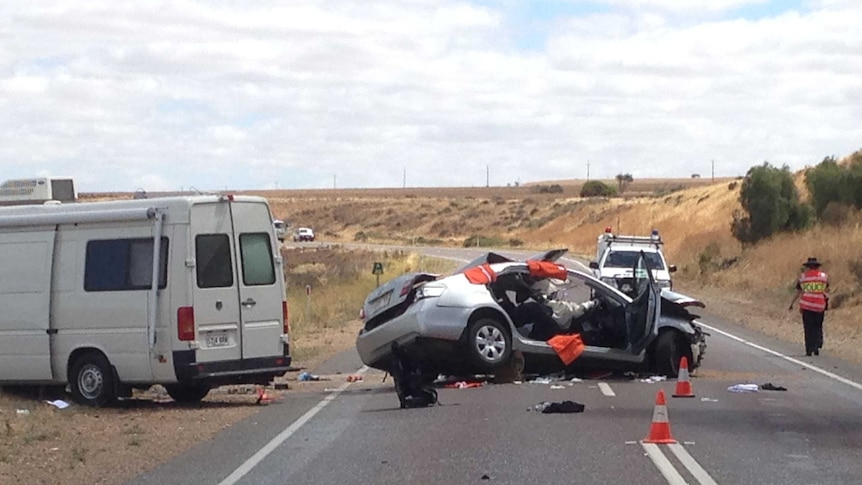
point(489, 344)
point(670, 348)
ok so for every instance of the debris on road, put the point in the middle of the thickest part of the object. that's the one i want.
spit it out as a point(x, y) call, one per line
point(463, 385)
point(564, 407)
point(772, 387)
point(59, 404)
point(654, 379)
point(744, 388)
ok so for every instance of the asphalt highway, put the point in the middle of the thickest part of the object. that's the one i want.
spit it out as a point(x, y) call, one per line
point(356, 433)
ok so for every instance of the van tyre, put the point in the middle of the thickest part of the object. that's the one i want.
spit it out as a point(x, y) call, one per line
point(187, 393)
point(92, 380)
point(489, 344)
point(669, 348)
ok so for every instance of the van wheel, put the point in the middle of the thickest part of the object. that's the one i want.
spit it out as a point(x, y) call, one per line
point(489, 344)
point(668, 351)
point(187, 393)
point(92, 380)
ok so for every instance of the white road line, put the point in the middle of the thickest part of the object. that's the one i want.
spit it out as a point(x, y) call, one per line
point(663, 464)
point(694, 467)
point(255, 459)
point(826, 373)
point(606, 389)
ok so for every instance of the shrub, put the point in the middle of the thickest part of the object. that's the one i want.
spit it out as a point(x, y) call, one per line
point(548, 189)
point(597, 188)
point(831, 183)
point(771, 204)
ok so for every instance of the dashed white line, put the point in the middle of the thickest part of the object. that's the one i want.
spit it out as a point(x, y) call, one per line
point(826, 373)
point(255, 459)
point(606, 389)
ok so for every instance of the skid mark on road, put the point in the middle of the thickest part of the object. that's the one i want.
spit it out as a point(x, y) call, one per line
point(249, 464)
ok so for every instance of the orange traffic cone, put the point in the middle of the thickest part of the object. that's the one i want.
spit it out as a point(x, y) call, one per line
point(262, 397)
point(659, 431)
point(683, 384)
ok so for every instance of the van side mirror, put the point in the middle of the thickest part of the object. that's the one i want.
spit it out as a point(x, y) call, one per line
point(594, 265)
point(672, 268)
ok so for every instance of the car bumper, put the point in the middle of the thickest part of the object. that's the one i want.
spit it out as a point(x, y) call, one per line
point(422, 320)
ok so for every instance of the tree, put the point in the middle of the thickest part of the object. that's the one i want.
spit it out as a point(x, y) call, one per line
point(771, 203)
point(597, 188)
point(623, 181)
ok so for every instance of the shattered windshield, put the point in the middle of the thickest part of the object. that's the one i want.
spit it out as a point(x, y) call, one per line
point(628, 259)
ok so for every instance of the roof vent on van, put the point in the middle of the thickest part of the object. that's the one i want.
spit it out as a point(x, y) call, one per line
point(37, 190)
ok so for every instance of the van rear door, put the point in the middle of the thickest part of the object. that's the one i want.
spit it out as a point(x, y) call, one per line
point(215, 291)
point(26, 259)
point(261, 281)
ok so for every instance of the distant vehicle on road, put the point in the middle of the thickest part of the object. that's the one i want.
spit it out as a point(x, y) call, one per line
point(280, 229)
point(615, 255)
point(454, 326)
point(187, 292)
point(303, 234)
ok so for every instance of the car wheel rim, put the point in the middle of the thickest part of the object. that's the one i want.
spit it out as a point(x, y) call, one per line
point(490, 343)
point(90, 381)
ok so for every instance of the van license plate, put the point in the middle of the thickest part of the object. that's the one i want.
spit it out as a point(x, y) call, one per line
point(218, 341)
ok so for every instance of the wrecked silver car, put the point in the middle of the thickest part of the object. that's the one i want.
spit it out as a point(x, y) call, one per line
point(472, 321)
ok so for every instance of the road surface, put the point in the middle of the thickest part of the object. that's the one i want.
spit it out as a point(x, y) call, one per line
point(355, 432)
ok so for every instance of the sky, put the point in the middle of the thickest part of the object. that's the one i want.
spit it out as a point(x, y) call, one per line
point(262, 94)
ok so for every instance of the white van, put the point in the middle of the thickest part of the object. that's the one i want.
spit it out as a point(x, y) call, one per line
point(108, 296)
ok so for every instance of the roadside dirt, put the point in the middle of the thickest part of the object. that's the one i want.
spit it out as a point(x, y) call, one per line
point(40, 444)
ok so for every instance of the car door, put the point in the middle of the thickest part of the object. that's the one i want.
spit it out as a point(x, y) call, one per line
point(643, 312)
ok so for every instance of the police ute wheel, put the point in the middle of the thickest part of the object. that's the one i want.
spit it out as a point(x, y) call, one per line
point(489, 344)
point(92, 380)
point(187, 393)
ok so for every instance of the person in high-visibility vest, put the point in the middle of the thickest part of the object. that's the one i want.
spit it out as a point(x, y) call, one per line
point(812, 292)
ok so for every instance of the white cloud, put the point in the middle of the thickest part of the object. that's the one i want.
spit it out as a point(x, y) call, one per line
point(124, 94)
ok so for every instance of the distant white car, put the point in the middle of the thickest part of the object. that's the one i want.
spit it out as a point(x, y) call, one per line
point(303, 234)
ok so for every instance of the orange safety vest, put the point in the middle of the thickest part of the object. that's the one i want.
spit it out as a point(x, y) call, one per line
point(813, 283)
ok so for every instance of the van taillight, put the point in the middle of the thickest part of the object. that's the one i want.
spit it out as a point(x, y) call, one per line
point(186, 323)
point(286, 314)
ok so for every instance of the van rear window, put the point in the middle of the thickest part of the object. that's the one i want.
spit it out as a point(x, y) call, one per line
point(257, 265)
point(123, 264)
point(213, 261)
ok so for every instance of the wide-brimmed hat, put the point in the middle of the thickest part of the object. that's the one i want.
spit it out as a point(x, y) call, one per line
point(811, 263)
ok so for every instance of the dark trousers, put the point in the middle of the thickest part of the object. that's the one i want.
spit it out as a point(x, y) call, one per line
point(812, 322)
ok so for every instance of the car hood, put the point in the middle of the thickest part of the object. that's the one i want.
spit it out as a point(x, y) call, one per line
point(393, 293)
point(680, 299)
